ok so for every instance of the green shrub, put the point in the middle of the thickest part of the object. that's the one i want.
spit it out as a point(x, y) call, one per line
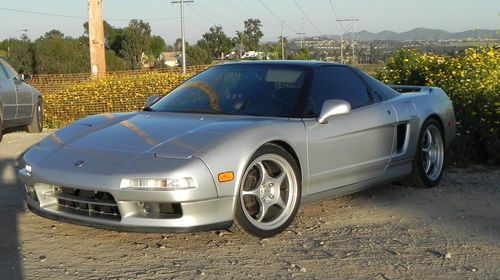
point(471, 79)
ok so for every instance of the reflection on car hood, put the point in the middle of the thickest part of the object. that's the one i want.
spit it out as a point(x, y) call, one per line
point(164, 134)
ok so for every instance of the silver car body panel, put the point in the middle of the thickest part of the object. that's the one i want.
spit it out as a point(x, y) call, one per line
point(349, 153)
point(17, 99)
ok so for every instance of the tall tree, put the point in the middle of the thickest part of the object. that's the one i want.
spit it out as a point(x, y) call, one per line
point(54, 33)
point(252, 34)
point(157, 45)
point(238, 42)
point(135, 43)
point(197, 55)
point(303, 54)
point(217, 41)
point(54, 54)
point(21, 54)
point(113, 37)
point(178, 45)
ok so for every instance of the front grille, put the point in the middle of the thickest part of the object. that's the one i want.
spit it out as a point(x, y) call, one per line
point(86, 203)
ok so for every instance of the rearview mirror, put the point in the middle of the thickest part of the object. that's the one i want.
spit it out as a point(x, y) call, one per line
point(26, 77)
point(333, 107)
point(151, 100)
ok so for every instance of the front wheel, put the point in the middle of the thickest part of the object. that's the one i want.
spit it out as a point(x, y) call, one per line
point(269, 193)
point(428, 164)
point(36, 125)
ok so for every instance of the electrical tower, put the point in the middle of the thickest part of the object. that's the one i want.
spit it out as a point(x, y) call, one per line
point(96, 39)
point(351, 20)
point(183, 36)
point(282, 41)
point(301, 33)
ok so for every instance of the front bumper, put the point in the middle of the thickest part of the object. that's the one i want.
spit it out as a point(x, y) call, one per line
point(126, 210)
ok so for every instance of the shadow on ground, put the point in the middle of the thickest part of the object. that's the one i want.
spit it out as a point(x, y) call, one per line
point(11, 205)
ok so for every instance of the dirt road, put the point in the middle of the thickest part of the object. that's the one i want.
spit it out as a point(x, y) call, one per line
point(392, 232)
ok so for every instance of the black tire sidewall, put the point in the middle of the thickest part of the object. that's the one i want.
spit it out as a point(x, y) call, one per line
point(421, 172)
point(36, 125)
point(240, 216)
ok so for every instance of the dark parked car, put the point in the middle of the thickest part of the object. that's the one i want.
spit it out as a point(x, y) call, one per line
point(20, 103)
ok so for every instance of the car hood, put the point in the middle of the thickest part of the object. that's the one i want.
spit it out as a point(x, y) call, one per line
point(127, 136)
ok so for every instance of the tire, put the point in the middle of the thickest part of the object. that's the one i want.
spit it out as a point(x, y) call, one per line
point(269, 193)
point(36, 125)
point(428, 164)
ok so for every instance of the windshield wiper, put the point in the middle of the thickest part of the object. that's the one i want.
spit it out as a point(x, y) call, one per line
point(148, 109)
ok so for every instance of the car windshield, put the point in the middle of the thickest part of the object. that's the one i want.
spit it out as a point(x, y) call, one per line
point(257, 90)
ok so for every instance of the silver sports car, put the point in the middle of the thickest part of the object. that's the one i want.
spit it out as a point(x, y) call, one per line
point(20, 103)
point(240, 146)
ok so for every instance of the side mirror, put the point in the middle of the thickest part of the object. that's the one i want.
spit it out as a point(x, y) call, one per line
point(333, 107)
point(26, 77)
point(151, 100)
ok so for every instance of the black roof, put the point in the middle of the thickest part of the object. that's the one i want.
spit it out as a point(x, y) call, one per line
point(307, 63)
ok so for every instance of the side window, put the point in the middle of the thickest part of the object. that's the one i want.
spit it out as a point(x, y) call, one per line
point(3, 75)
point(337, 82)
point(11, 73)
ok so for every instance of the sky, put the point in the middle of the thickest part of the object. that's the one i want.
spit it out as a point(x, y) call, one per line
point(318, 16)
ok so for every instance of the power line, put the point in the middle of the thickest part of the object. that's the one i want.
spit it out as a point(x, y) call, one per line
point(333, 9)
point(212, 14)
point(276, 16)
point(236, 7)
point(270, 11)
point(41, 13)
point(78, 17)
point(250, 6)
point(308, 19)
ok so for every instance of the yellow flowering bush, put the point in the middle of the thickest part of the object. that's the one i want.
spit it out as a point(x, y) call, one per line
point(472, 80)
point(114, 93)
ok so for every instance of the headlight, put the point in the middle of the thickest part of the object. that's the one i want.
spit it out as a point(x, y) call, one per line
point(28, 169)
point(165, 184)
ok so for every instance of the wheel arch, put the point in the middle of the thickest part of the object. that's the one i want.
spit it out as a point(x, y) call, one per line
point(287, 147)
point(437, 118)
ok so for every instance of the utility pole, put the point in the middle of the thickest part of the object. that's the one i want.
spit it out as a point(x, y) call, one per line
point(96, 39)
point(183, 36)
point(351, 20)
point(301, 33)
point(10, 37)
point(282, 42)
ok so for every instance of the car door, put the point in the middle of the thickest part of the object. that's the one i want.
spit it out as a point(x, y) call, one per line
point(350, 148)
point(23, 91)
point(8, 97)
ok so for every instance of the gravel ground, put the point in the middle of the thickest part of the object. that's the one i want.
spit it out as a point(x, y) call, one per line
point(391, 232)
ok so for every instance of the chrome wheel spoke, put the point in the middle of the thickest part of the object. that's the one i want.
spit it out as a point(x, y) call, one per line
point(279, 180)
point(263, 210)
point(427, 166)
point(254, 192)
point(266, 203)
point(280, 203)
point(264, 176)
point(432, 149)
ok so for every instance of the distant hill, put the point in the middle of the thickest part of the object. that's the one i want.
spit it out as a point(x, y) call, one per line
point(420, 34)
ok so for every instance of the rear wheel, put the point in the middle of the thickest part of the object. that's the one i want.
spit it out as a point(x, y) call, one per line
point(269, 193)
point(36, 125)
point(428, 164)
